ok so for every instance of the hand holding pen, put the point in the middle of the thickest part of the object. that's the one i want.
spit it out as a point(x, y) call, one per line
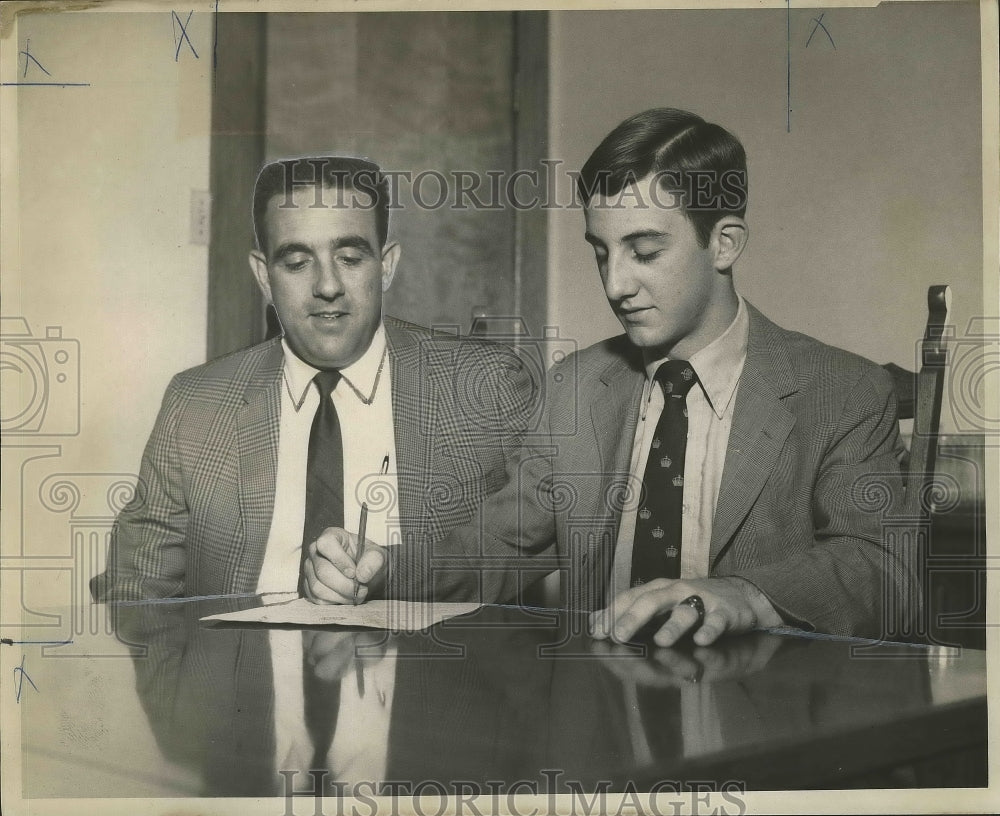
point(363, 528)
point(343, 568)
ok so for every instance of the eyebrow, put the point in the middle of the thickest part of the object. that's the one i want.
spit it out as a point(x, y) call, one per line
point(354, 242)
point(639, 235)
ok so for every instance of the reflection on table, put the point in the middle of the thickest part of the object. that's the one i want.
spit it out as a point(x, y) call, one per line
point(498, 699)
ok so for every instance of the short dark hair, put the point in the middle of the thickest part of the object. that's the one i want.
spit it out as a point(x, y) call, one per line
point(328, 172)
point(702, 162)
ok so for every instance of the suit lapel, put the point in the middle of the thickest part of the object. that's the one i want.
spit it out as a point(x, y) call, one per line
point(257, 431)
point(414, 407)
point(761, 423)
point(614, 415)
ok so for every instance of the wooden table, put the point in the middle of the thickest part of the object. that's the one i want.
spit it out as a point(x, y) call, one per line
point(170, 706)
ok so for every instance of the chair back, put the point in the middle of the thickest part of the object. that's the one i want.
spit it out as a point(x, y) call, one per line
point(920, 397)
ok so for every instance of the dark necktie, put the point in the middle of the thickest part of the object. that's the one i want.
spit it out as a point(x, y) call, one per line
point(322, 702)
point(324, 508)
point(324, 471)
point(656, 551)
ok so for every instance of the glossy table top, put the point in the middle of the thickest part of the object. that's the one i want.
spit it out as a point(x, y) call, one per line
point(171, 706)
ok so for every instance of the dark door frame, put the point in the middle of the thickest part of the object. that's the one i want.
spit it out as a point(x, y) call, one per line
point(235, 308)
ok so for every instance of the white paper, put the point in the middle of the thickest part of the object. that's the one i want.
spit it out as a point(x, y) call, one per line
point(398, 616)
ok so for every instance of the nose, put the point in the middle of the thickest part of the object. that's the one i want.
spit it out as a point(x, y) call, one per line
point(619, 283)
point(327, 285)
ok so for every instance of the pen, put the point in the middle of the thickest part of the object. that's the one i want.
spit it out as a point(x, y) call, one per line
point(362, 525)
point(360, 673)
point(362, 529)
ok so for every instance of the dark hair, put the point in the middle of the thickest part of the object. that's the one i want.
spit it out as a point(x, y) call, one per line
point(703, 163)
point(323, 173)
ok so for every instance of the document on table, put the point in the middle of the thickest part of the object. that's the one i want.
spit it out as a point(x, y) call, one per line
point(398, 616)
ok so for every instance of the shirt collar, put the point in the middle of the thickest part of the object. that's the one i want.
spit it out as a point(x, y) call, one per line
point(720, 363)
point(361, 373)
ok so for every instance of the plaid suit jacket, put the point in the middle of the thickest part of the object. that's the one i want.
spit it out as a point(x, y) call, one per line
point(813, 454)
point(199, 521)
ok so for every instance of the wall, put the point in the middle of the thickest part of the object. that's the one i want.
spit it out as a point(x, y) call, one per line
point(873, 195)
point(415, 93)
point(98, 183)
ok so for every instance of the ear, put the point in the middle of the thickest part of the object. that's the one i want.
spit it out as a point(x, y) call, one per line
point(258, 265)
point(390, 257)
point(728, 240)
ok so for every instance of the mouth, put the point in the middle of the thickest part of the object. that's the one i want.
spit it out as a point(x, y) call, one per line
point(632, 313)
point(330, 315)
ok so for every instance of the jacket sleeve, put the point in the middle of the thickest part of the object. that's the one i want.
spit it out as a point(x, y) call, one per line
point(493, 556)
point(146, 557)
point(503, 547)
point(858, 576)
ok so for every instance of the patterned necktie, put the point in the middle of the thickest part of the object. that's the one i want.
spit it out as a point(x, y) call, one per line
point(656, 551)
point(324, 471)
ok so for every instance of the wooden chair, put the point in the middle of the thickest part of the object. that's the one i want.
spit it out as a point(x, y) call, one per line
point(920, 397)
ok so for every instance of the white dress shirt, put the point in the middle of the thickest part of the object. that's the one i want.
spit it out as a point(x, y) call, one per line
point(710, 416)
point(368, 437)
point(360, 747)
point(360, 744)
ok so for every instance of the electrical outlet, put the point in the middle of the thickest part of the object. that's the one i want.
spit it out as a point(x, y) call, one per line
point(201, 216)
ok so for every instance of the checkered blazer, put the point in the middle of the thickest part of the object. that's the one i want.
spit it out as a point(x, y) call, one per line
point(199, 521)
point(811, 469)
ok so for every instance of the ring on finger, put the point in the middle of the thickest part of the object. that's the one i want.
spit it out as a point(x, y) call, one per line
point(698, 674)
point(697, 604)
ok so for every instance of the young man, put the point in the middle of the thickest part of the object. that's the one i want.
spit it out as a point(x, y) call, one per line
point(255, 454)
point(707, 463)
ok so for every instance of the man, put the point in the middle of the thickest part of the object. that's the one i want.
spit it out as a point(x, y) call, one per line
point(248, 463)
point(707, 464)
